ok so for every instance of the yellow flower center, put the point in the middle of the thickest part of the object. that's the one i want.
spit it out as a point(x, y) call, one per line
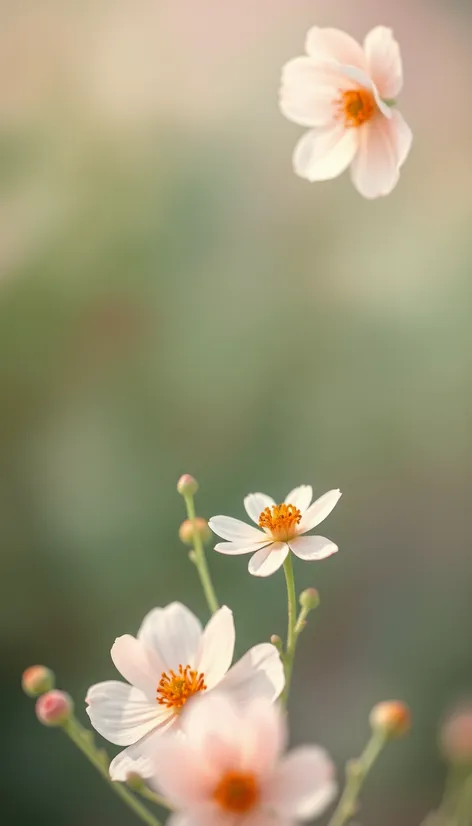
point(237, 792)
point(281, 521)
point(174, 689)
point(356, 106)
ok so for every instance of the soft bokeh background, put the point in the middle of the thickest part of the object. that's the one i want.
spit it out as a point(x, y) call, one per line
point(173, 299)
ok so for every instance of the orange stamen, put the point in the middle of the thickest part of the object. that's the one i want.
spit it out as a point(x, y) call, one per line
point(280, 521)
point(174, 689)
point(237, 792)
point(356, 106)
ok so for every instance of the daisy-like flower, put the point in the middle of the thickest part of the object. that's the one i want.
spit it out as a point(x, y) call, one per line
point(172, 661)
point(281, 528)
point(345, 93)
point(230, 769)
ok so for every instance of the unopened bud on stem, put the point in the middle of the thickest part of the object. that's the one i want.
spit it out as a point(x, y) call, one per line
point(391, 717)
point(37, 679)
point(54, 708)
point(455, 737)
point(187, 485)
point(275, 640)
point(309, 599)
point(187, 531)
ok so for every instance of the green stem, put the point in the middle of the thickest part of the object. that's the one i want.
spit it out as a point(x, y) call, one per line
point(357, 771)
point(83, 740)
point(292, 620)
point(463, 812)
point(199, 558)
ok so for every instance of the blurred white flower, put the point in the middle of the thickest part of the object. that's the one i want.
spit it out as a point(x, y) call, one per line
point(282, 528)
point(170, 662)
point(345, 92)
point(230, 769)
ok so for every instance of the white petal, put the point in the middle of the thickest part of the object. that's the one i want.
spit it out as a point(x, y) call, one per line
point(312, 547)
point(319, 510)
point(179, 819)
point(217, 647)
point(375, 168)
point(322, 154)
point(235, 548)
point(402, 136)
point(174, 632)
point(302, 785)
point(137, 758)
point(300, 497)
point(255, 503)
point(234, 530)
point(137, 663)
point(333, 44)
point(259, 673)
point(309, 91)
point(268, 560)
point(120, 713)
point(259, 817)
point(384, 61)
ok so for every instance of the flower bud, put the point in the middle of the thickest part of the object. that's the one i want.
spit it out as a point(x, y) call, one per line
point(187, 485)
point(391, 717)
point(309, 599)
point(54, 708)
point(275, 640)
point(37, 679)
point(455, 737)
point(134, 781)
point(187, 531)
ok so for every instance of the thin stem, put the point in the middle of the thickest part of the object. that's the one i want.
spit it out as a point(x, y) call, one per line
point(292, 620)
point(82, 739)
point(463, 812)
point(199, 558)
point(357, 771)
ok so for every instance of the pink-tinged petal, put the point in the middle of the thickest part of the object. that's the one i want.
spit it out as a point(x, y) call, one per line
point(260, 817)
point(322, 154)
point(217, 647)
point(384, 61)
point(120, 713)
point(309, 91)
point(375, 170)
point(234, 530)
point(312, 547)
point(268, 560)
point(136, 759)
point(212, 724)
point(174, 632)
point(259, 673)
point(265, 735)
point(401, 135)
point(180, 772)
point(137, 663)
point(179, 819)
point(300, 497)
point(255, 503)
point(362, 79)
point(234, 548)
point(303, 784)
point(319, 510)
point(333, 44)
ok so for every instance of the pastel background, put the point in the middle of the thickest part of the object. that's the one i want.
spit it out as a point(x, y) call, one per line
point(173, 299)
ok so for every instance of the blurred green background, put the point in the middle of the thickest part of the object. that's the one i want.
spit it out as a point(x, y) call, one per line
point(173, 300)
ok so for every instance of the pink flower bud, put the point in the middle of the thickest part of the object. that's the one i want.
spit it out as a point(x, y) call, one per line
point(392, 717)
point(455, 737)
point(186, 530)
point(36, 680)
point(54, 708)
point(187, 485)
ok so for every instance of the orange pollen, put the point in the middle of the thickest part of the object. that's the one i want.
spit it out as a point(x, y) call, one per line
point(174, 689)
point(280, 521)
point(237, 792)
point(356, 106)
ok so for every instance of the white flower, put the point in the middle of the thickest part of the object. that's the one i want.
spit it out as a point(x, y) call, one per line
point(230, 769)
point(282, 529)
point(172, 660)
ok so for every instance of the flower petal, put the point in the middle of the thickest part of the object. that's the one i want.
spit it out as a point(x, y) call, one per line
point(308, 92)
point(259, 673)
point(312, 547)
point(121, 713)
point(302, 785)
point(181, 772)
point(362, 79)
point(217, 647)
point(265, 735)
point(174, 632)
point(268, 560)
point(401, 135)
point(137, 663)
point(136, 758)
point(255, 503)
point(235, 548)
point(212, 724)
point(322, 154)
point(300, 497)
point(384, 61)
point(333, 44)
point(319, 510)
point(375, 170)
point(234, 530)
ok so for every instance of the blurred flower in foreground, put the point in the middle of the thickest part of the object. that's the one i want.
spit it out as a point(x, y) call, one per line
point(282, 526)
point(345, 92)
point(230, 769)
point(456, 735)
point(170, 662)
